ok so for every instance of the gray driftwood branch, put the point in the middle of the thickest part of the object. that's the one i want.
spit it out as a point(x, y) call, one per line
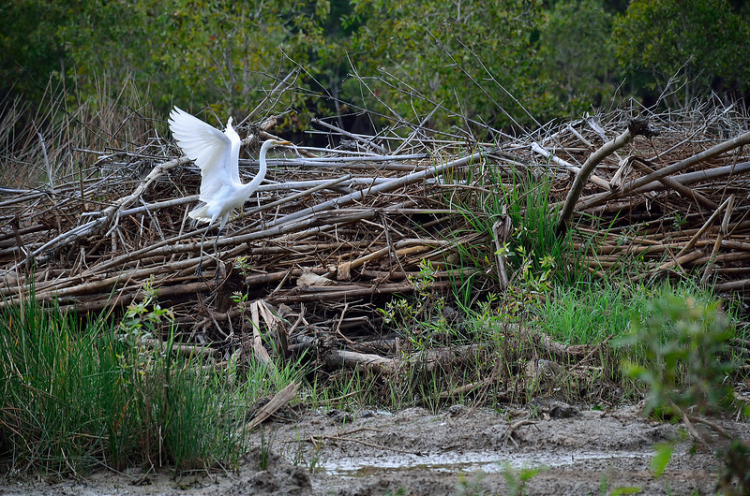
point(635, 127)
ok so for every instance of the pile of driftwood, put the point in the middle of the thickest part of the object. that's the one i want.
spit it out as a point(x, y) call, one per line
point(335, 232)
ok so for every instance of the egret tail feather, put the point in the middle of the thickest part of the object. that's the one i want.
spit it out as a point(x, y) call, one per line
point(200, 214)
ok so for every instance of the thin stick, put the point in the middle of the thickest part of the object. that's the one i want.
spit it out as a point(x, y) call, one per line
point(381, 188)
point(689, 246)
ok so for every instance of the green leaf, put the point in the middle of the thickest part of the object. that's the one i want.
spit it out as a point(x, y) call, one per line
point(661, 459)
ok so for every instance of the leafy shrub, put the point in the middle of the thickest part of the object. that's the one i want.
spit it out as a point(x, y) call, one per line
point(476, 58)
point(685, 343)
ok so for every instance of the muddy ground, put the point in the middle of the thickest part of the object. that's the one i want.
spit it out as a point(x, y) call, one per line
point(580, 452)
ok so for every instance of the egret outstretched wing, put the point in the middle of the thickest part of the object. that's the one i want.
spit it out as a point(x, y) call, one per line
point(210, 148)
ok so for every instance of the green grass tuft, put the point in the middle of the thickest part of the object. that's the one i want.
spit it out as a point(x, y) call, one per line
point(590, 312)
point(76, 395)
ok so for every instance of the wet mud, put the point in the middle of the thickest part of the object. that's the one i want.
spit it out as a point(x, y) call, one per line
point(577, 451)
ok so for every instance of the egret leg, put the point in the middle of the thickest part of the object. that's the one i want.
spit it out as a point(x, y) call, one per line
point(200, 261)
point(216, 253)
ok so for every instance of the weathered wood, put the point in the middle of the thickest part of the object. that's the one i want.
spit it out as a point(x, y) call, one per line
point(280, 400)
point(635, 127)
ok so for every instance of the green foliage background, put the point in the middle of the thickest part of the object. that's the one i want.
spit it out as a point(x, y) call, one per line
point(487, 63)
point(706, 41)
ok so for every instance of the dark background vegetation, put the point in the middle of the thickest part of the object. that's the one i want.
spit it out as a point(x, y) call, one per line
point(501, 64)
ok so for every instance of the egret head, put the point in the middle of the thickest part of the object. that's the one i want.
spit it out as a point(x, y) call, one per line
point(267, 145)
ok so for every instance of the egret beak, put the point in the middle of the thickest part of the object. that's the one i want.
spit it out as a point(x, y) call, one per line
point(282, 143)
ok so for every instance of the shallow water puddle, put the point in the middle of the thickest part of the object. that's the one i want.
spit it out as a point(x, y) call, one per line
point(470, 462)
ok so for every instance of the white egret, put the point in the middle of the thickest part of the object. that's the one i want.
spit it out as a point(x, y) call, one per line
point(217, 155)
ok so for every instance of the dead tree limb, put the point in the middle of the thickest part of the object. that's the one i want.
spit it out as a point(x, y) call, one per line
point(635, 127)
